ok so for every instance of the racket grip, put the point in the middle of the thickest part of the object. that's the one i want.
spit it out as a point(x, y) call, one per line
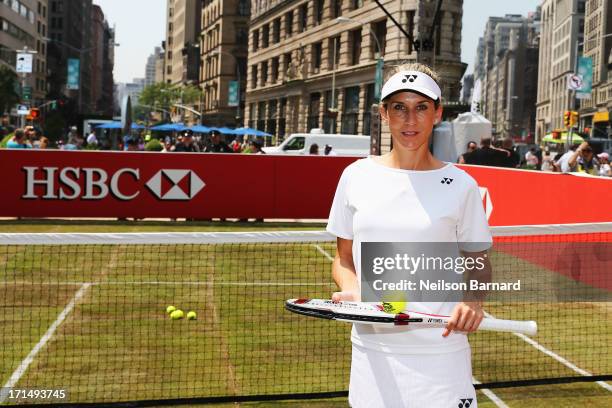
point(526, 327)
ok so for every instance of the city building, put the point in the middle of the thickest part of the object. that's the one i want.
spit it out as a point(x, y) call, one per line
point(132, 89)
point(151, 66)
point(307, 69)
point(467, 88)
point(182, 30)
point(159, 66)
point(23, 24)
point(595, 111)
point(508, 74)
point(224, 49)
point(562, 28)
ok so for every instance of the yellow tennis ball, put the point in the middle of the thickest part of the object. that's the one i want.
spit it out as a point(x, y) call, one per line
point(177, 314)
point(170, 309)
point(191, 315)
point(394, 307)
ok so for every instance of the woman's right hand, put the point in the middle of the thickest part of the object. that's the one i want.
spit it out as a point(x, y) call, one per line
point(346, 295)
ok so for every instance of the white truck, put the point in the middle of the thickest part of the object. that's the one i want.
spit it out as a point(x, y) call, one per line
point(341, 145)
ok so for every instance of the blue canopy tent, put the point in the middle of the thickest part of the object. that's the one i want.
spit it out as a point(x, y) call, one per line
point(169, 127)
point(200, 129)
point(117, 125)
point(247, 131)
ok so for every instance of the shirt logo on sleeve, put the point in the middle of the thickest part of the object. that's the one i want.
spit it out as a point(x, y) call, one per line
point(465, 402)
point(446, 180)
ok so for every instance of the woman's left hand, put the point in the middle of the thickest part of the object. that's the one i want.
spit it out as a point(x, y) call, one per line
point(466, 317)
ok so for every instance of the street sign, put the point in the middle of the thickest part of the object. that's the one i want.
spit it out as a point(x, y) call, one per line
point(24, 63)
point(232, 97)
point(585, 71)
point(23, 110)
point(72, 82)
point(26, 93)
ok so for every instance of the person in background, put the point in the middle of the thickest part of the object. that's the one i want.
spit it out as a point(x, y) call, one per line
point(314, 149)
point(256, 147)
point(43, 143)
point(92, 140)
point(547, 161)
point(531, 159)
point(18, 141)
point(513, 159)
point(328, 151)
point(604, 165)
point(486, 155)
point(186, 143)
point(217, 145)
point(236, 145)
point(471, 146)
point(581, 160)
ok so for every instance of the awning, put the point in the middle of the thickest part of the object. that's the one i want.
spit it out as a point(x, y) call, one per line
point(601, 117)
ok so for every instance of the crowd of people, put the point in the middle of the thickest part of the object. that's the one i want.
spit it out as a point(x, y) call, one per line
point(580, 158)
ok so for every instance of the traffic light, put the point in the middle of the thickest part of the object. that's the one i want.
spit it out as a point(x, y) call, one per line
point(567, 118)
point(35, 113)
point(574, 118)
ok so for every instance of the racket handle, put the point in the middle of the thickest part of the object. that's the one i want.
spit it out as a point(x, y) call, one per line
point(526, 327)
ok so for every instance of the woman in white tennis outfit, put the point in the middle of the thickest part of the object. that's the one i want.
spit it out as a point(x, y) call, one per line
point(408, 195)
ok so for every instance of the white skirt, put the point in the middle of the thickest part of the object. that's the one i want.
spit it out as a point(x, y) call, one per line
point(411, 380)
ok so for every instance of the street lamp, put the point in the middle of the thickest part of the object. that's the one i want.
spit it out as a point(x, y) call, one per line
point(217, 52)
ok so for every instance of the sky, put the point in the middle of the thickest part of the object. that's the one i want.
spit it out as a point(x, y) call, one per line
point(140, 26)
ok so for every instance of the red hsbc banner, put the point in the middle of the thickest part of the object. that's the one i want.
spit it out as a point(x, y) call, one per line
point(201, 185)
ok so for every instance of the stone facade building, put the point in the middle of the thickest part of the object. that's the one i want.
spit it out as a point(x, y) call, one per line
point(308, 69)
point(562, 28)
point(595, 111)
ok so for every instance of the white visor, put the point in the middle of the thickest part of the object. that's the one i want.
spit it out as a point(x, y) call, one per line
point(411, 81)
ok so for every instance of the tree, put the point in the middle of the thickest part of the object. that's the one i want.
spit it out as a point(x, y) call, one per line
point(164, 96)
point(9, 84)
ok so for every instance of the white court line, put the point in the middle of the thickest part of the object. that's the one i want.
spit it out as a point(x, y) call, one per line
point(20, 371)
point(491, 395)
point(557, 357)
point(188, 283)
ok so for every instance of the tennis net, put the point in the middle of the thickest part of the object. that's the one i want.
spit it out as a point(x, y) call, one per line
point(86, 314)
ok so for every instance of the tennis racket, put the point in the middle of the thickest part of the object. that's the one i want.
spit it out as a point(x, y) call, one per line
point(369, 313)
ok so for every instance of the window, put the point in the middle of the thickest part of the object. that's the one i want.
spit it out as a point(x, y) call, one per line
point(313, 110)
point(336, 8)
point(297, 143)
point(265, 36)
point(355, 4)
point(351, 110)
point(255, 40)
point(286, 63)
point(317, 49)
point(274, 70)
point(254, 76)
point(367, 114)
point(379, 30)
point(264, 73)
point(261, 115)
point(244, 8)
point(242, 35)
point(303, 17)
point(289, 24)
point(355, 41)
point(333, 50)
point(318, 11)
point(281, 119)
point(272, 115)
point(276, 31)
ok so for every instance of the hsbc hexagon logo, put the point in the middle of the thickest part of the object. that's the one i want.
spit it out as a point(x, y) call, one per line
point(175, 184)
point(486, 201)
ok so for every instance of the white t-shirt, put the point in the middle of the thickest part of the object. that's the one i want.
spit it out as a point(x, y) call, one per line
point(376, 203)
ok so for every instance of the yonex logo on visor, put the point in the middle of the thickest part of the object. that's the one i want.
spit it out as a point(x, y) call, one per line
point(411, 81)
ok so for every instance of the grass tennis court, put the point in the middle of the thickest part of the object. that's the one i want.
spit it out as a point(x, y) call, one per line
point(117, 343)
